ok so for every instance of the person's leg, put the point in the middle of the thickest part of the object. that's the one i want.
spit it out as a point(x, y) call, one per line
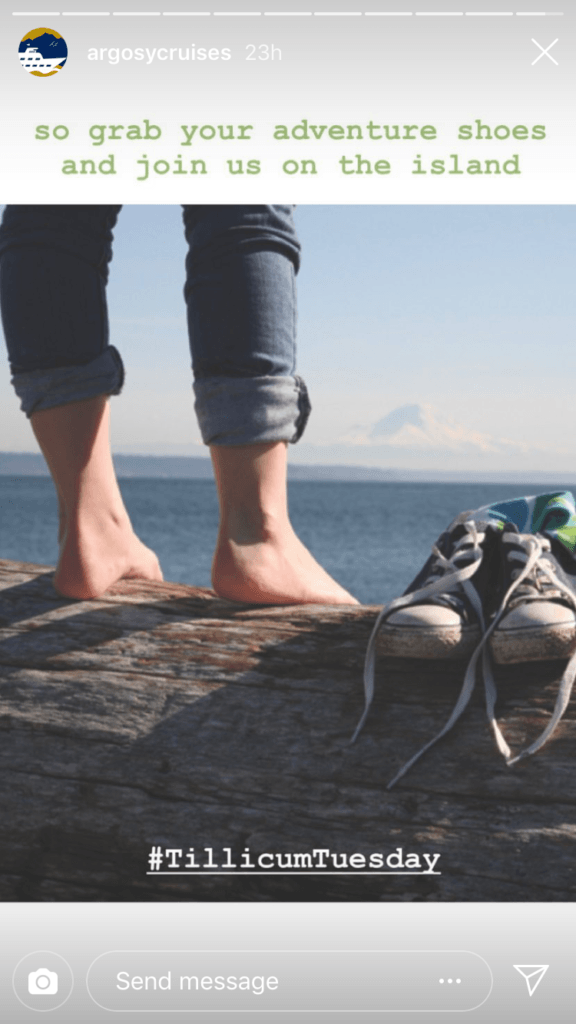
point(258, 556)
point(97, 543)
point(63, 369)
point(240, 293)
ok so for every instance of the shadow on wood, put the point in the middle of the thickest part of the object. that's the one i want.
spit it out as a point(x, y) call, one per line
point(160, 715)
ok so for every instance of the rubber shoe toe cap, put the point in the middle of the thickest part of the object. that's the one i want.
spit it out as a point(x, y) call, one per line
point(535, 631)
point(425, 615)
point(538, 614)
point(428, 631)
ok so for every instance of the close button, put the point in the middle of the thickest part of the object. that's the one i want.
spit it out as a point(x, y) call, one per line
point(377, 981)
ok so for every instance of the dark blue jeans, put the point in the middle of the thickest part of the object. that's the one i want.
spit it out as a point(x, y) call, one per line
point(241, 301)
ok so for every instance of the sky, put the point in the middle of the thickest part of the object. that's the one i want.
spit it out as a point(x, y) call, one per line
point(470, 309)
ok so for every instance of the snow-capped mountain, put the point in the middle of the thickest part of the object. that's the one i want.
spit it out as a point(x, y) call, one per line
point(427, 440)
point(422, 428)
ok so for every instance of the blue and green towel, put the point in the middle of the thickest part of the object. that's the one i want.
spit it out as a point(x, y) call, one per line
point(553, 514)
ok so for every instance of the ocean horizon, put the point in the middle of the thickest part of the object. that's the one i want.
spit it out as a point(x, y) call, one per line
point(199, 467)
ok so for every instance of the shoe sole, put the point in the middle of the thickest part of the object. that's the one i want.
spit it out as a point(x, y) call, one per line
point(437, 643)
point(533, 644)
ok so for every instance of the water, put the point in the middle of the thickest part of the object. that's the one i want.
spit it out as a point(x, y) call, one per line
point(372, 537)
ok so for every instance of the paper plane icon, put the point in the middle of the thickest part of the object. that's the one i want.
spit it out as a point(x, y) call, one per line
point(532, 974)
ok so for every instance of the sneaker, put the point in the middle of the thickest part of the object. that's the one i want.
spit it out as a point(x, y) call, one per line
point(537, 618)
point(440, 615)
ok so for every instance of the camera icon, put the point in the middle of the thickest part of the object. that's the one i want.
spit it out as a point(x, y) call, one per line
point(42, 982)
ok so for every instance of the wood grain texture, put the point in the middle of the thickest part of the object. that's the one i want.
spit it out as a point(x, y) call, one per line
point(162, 715)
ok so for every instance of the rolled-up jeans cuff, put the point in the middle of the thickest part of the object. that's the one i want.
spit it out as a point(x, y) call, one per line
point(251, 410)
point(59, 385)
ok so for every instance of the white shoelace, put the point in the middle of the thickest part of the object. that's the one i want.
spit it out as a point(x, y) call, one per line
point(452, 577)
point(533, 546)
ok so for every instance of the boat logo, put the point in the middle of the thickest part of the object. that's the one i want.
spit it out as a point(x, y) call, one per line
point(42, 52)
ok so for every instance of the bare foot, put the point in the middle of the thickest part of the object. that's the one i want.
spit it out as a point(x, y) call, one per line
point(96, 551)
point(276, 570)
point(97, 543)
point(258, 558)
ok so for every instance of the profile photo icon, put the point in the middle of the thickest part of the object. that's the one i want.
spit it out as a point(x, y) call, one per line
point(42, 982)
point(42, 52)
